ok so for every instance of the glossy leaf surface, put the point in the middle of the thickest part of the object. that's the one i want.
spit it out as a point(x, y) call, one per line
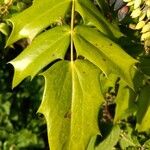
point(70, 109)
point(91, 14)
point(73, 93)
point(103, 52)
point(46, 48)
point(36, 18)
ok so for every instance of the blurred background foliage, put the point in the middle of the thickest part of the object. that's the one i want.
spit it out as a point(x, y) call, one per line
point(21, 128)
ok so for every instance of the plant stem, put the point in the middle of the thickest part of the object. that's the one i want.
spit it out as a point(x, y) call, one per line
point(72, 27)
point(127, 139)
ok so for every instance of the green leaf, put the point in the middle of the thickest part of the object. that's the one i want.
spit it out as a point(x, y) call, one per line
point(127, 140)
point(91, 145)
point(143, 113)
point(125, 102)
point(70, 110)
point(103, 5)
point(111, 140)
point(91, 14)
point(56, 104)
point(147, 144)
point(103, 52)
point(36, 18)
point(4, 28)
point(46, 48)
point(145, 65)
point(108, 82)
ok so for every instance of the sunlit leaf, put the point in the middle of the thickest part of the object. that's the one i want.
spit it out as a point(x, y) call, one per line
point(4, 29)
point(73, 93)
point(91, 14)
point(69, 108)
point(103, 52)
point(47, 47)
point(125, 102)
point(108, 82)
point(143, 113)
point(36, 18)
point(127, 140)
point(91, 145)
point(111, 140)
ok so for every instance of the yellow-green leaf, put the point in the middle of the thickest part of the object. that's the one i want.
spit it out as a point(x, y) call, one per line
point(47, 47)
point(103, 52)
point(111, 140)
point(71, 103)
point(36, 18)
point(91, 14)
point(125, 102)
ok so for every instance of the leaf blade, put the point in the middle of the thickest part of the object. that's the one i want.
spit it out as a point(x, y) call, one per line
point(111, 57)
point(88, 112)
point(56, 104)
point(90, 13)
point(35, 19)
point(125, 102)
point(81, 111)
point(143, 113)
point(41, 52)
point(111, 140)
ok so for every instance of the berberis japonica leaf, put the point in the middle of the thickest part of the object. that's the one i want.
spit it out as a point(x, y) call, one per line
point(73, 94)
point(103, 52)
point(70, 109)
point(36, 18)
point(53, 45)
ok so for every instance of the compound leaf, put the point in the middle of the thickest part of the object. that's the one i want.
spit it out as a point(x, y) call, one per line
point(73, 93)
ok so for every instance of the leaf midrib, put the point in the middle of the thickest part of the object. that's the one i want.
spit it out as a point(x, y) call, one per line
point(79, 81)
